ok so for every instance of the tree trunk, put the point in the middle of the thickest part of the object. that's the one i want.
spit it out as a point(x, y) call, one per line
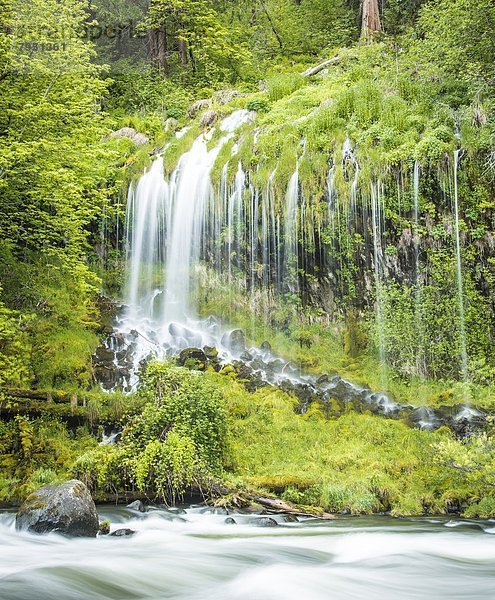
point(158, 48)
point(182, 52)
point(371, 23)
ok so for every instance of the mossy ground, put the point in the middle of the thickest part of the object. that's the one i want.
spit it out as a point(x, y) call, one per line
point(357, 463)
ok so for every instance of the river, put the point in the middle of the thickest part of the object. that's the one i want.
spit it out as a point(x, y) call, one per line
point(197, 556)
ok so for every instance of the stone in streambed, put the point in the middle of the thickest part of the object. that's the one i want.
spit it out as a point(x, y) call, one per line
point(66, 508)
point(235, 340)
point(193, 358)
point(210, 352)
point(122, 533)
point(137, 505)
point(104, 355)
point(266, 522)
point(230, 521)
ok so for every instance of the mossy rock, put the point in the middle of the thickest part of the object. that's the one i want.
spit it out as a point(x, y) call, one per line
point(67, 508)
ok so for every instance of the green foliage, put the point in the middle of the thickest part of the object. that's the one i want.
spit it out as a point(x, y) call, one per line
point(35, 453)
point(459, 41)
point(475, 457)
point(177, 440)
point(283, 85)
point(421, 324)
point(204, 44)
point(185, 402)
point(55, 178)
point(358, 462)
point(145, 92)
point(14, 348)
point(258, 105)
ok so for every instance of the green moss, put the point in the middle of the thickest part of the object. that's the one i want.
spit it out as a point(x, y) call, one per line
point(357, 462)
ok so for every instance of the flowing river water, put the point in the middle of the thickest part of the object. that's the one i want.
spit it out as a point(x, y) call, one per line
point(193, 554)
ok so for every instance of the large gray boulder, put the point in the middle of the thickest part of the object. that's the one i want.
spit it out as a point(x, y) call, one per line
point(128, 132)
point(198, 106)
point(66, 508)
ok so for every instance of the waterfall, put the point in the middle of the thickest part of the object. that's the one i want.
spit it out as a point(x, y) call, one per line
point(236, 221)
point(146, 227)
point(460, 291)
point(377, 219)
point(192, 187)
point(420, 358)
point(291, 231)
point(166, 223)
point(332, 197)
point(181, 231)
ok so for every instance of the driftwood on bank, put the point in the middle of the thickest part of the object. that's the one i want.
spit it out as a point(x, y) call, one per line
point(247, 500)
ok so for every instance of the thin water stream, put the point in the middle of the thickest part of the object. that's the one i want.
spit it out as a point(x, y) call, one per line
point(195, 555)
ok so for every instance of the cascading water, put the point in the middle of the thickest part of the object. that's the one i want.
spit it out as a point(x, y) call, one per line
point(166, 222)
point(420, 365)
point(190, 194)
point(291, 231)
point(460, 291)
point(201, 553)
point(181, 230)
point(148, 219)
point(377, 225)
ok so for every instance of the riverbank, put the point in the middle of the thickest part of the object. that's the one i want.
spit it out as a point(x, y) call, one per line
point(251, 442)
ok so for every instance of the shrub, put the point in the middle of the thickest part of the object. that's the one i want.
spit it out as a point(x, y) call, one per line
point(258, 105)
point(179, 438)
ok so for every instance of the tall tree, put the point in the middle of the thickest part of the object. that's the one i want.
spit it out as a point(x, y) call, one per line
point(371, 22)
point(191, 32)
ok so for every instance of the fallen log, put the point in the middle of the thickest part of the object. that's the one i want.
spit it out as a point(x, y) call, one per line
point(246, 500)
point(41, 395)
point(319, 67)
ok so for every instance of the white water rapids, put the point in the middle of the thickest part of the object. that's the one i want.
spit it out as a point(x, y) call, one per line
point(196, 556)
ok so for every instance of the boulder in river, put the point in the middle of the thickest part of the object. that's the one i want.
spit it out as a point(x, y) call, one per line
point(66, 508)
point(137, 505)
point(266, 522)
point(122, 532)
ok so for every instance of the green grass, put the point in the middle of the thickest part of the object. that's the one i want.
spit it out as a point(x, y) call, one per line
point(359, 462)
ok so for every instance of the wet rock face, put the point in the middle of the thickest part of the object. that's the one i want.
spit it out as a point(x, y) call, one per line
point(66, 508)
point(235, 340)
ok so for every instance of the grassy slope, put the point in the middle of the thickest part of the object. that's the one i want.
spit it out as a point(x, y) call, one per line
point(361, 463)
